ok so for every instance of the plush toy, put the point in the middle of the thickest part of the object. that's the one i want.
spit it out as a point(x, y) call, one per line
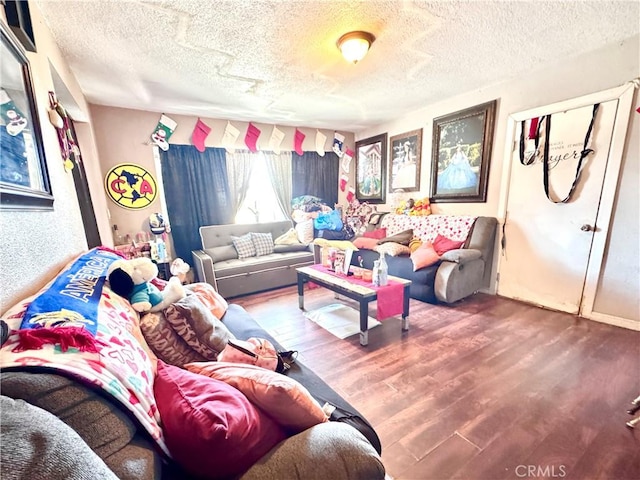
point(130, 279)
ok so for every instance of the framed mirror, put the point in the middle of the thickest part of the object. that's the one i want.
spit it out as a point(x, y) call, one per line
point(24, 180)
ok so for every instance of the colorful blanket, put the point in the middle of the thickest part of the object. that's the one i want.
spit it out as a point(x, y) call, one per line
point(123, 366)
point(427, 228)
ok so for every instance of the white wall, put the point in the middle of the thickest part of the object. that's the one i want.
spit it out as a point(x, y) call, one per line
point(605, 68)
point(35, 245)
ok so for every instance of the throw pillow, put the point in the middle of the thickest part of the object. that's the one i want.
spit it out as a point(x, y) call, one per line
point(393, 249)
point(366, 243)
point(165, 342)
point(282, 398)
point(37, 444)
point(244, 246)
point(424, 256)
point(403, 237)
point(263, 242)
point(295, 247)
point(211, 299)
point(379, 233)
point(443, 244)
point(193, 321)
point(304, 231)
point(290, 237)
point(211, 428)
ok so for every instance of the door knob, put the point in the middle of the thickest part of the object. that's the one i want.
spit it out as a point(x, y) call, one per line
point(586, 228)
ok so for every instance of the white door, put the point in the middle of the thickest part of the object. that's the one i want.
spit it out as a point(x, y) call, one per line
point(547, 245)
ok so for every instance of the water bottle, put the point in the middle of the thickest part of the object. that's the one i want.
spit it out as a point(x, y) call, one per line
point(375, 277)
point(383, 271)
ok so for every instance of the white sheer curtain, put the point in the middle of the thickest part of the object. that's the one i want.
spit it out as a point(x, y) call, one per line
point(239, 166)
point(279, 168)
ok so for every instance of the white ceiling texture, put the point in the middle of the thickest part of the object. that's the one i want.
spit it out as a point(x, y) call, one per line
point(277, 61)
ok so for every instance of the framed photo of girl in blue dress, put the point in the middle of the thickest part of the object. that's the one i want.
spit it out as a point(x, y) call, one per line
point(461, 154)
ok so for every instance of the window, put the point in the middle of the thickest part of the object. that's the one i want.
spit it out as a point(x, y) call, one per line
point(260, 205)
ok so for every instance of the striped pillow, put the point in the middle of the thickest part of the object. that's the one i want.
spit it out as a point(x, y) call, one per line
point(263, 242)
point(244, 246)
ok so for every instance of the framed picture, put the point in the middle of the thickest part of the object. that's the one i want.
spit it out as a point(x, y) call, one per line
point(371, 171)
point(404, 161)
point(24, 180)
point(461, 154)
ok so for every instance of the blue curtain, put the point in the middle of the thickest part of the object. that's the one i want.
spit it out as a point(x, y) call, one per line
point(196, 191)
point(315, 175)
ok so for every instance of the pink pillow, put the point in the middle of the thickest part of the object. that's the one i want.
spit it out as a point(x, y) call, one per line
point(212, 299)
point(282, 398)
point(424, 256)
point(443, 244)
point(366, 243)
point(210, 428)
point(379, 233)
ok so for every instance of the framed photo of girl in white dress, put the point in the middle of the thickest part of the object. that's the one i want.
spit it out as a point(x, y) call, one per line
point(461, 154)
point(404, 161)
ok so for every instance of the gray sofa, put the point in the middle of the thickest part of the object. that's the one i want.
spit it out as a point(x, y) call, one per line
point(55, 427)
point(217, 262)
point(460, 272)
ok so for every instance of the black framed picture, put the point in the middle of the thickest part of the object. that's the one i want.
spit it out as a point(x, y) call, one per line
point(461, 154)
point(24, 180)
point(371, 171)
point(404, 161)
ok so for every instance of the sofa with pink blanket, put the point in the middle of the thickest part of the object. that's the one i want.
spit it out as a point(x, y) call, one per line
point(149, 404)
point(446, 276)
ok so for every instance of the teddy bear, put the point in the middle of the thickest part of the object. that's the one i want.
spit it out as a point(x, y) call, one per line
point(131, 280)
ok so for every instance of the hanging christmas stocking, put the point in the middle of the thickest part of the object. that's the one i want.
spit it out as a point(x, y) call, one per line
point(297, 141)
point(346, 160)
point(163, 132)
point(320, 139)
point(229, 138)
point(350, 194)
point(338, 140)
point(199, 135)
point(13, 117)
point(251, 137)
point(276, 139)
point(343, 182)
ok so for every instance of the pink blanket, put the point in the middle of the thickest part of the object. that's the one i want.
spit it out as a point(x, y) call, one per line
point(390, 297)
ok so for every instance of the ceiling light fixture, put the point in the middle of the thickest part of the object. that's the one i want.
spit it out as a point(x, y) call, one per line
point(355, 45)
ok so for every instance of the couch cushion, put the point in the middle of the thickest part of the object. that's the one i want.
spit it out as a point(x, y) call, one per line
point(275, 260)
point(366, 242)
point(424, 256)
point(100, 423)
point(193, 321)
point(244, 246)
point(293, 247)
point(304, 230)
point(280, 397)
point(263, 243)
point(378, 233)
point(165, 342)
point(341, 450)
point(219, 254)
point(442, 244)
point(393, 249)
point(211, 299)
point(288, 238)
point(33, 452)
point(211, 429)
point(403, 237)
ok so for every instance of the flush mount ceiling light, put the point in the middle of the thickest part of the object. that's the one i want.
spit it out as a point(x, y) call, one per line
point(355, 45)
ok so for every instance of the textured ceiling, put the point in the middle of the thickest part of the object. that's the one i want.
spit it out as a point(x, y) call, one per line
point(277, 62)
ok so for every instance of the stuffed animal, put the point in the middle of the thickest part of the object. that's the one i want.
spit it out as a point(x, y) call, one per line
point(130, 279)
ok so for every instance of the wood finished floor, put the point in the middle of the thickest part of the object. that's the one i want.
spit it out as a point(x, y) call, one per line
point(481, 390)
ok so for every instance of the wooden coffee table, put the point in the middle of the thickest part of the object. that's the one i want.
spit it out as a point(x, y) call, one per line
point(360, 293)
